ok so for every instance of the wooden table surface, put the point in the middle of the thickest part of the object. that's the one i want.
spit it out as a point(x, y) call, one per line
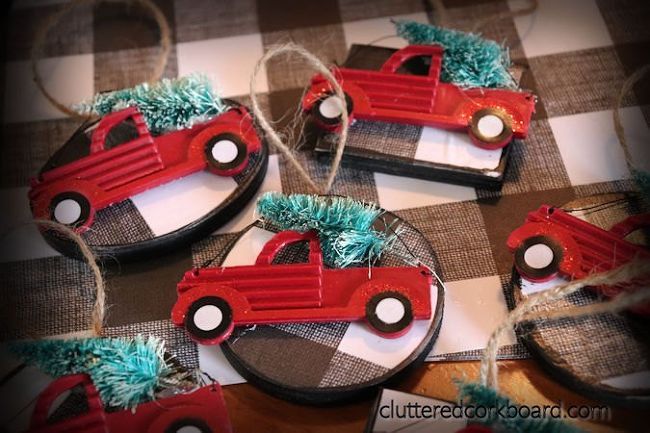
point(251, 410)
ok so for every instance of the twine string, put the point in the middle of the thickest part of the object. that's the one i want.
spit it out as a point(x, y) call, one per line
point(632, 272)
point(618, 124)
point(43, 31)
point(272, 134)
point(442, 17)
point(99, 308)
point(532, 7)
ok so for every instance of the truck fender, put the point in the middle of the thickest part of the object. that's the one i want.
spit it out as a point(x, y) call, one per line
point(240, 306)
point(571, 255)
point(367, 290)
point(41, 200)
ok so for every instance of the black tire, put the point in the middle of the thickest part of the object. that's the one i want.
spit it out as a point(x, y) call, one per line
point(63, 216)
point(487, 140)
point(329, 120)
point(374, 316)
point(536, 272)
point(208, 333)
point(199, 425)
point(220, 140)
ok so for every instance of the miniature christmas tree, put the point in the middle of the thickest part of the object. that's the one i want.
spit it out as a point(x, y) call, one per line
point(126, 372)
point(344, 225)
point(468, 61)
point(166, 105)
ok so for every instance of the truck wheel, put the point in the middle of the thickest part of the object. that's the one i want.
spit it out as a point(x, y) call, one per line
point(189, 425)
point(225, 153)
point(490, 128)
point(389, 312)
point(538, 258)
point(71, 209)
point(209, 320)
point(328, 110)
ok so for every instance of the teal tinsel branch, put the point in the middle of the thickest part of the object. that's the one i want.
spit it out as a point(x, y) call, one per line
point(468, 61)
point(344, 225)
point(479, 395)
point(126, 372)
point(166, 105)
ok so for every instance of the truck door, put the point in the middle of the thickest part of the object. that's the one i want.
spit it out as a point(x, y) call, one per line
point(415, 73)
point(122, 150)
point(288, 285)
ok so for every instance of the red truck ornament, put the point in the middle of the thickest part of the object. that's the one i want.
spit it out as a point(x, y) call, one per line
point(203, 411)
point(552, 242)
point(492, 117)
point(211, 301)
point(121, 159)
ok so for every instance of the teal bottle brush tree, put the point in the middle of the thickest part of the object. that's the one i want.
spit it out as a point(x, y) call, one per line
point(345, 226)
point(125, 371)
point(166, 105)
point(469, 60)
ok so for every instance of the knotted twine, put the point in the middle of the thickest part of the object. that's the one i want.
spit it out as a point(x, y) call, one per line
point(274, 137)
point(99, 308)
point(635, 272)
point(641, 176)
point(52, 20)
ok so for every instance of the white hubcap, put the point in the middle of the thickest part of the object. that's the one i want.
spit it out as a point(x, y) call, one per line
point(67, 211)
point(390, 310)
point(490, 126)
point(189, 429)
point(331, 107)
point(538, 256)
point(224, 151)
point(208, 318)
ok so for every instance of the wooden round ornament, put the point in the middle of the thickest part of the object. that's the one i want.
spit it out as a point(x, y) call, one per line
point(606, 356)
point(165, 217)
point(320, 363)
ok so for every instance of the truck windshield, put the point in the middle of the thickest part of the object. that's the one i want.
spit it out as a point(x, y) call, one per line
point(75, 148)
point(295, 253)
point(372, 58)
point(69, 405)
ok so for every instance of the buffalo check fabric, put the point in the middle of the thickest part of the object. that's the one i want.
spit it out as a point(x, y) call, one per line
point(573, 55)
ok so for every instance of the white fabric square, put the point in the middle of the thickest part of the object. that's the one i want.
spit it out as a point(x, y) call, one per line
point(473, 310)
point(396, 192)
point(70, 79)
point(247, 216)
point(23, 241)
point(178, 203)
point(213, 361)
point(360, 341)
point(228, 62)
point(590, 149)
point(559, 26)
point(455, 148)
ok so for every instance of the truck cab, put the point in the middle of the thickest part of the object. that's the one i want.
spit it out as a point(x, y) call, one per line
point(492, 117)
point(71, 404)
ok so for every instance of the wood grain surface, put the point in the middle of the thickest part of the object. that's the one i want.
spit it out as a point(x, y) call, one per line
point(251, 410)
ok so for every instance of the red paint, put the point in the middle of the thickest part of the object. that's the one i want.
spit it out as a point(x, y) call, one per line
point(267, 293)
point(389, 96)
point(586, 248)
point(108, 176)
point(205, 407)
